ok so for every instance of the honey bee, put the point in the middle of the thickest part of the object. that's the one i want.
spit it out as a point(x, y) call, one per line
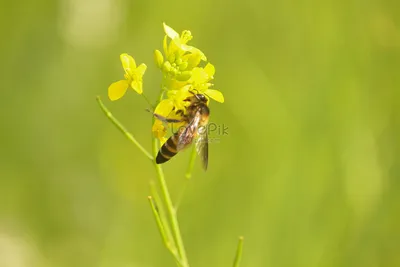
point(196, 120)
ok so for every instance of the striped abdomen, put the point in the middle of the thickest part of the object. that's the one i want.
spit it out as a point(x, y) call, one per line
point(168, 150)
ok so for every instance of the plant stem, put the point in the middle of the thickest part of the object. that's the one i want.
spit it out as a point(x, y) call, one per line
point(162, 228)
point(189, 170)
point(122, 128)
point(239, 251)
point(148, 101)
point(170, 209)
point(162, 214)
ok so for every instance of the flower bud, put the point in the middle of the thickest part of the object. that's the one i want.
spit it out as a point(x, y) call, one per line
point(183, 66)
point(184, 76)
point(173, 72)
point(167, 66)
point(171, 58)
point(158, 58)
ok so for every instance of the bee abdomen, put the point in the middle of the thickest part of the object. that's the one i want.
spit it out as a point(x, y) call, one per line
point(168, 150)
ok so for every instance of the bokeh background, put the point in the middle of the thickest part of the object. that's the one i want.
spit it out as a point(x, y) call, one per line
point(308, 174)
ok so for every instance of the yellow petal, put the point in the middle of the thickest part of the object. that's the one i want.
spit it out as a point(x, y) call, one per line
point(210, 70)
point(165, 46)
point(163, 140)
point(164, 108)
point(141, 69)
point(170, 32)
point(215, 94)
point(199, 76)
point(117, 90)
point(159, 129)
point(192, 59)
point(128, 63)
point(192, 50)
point(137, 86)
point(180, 96)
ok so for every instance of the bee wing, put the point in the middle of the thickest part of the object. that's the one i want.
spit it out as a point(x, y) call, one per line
point(202, 147)
point(188, 133)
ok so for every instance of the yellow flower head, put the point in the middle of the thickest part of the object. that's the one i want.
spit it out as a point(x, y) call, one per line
point(200, 81)
point(133, 78)
point(179, 58)
point(183, 77)
point(174, 103)
point(179, 43)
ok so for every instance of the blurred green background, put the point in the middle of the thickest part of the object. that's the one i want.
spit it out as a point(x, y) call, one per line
point(309, 172)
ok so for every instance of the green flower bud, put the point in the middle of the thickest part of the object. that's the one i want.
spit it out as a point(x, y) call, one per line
point(183, 66)
point(184, 76)
point(167, 66)
point(178, 61)
point(158, 58)
point(171, 58)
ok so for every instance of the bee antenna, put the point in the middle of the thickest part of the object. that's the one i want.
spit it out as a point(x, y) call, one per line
point(195, 91)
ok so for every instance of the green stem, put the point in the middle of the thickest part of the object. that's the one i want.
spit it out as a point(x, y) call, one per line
point(162, 229)
point(170, 209)
point(181, 195)
point(122, 128)
point(239, 251)
point(162, 214)
point(168, 202)
point(148, 101)
point(180, 256)
point(189, 170)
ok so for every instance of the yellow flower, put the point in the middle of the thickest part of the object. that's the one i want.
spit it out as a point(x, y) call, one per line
point(200, 82)
point(178, 43)
point(169, 107)
point(182, 79)
point(133, 78)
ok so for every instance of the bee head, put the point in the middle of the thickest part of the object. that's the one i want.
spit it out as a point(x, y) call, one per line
point(201, 98)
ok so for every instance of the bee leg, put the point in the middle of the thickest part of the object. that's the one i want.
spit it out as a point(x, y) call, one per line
point(180, 112)
point(164, 119)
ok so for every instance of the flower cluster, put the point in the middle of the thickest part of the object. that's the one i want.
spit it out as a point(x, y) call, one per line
point(183, 76)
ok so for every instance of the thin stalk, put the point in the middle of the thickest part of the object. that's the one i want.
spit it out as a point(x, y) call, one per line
point(239, 251)
point(122, 128)
point(170, 209)
point(181, 195)
point(168, 202)
point(162, 228)
point(189, 170)
point(162, 214)
point(154, 208)
point(148, 101)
